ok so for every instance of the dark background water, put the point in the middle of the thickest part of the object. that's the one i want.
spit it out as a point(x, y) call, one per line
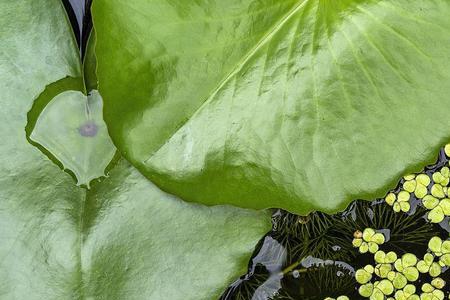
point(78, 8)
point(80, 18)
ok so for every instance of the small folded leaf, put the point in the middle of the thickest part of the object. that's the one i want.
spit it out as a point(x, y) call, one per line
point(72, 129)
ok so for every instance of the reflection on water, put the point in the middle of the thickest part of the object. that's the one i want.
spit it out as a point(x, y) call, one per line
point(79, 13)
point(313, 258)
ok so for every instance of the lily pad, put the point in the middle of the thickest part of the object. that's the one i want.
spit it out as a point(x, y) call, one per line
point(303, 105)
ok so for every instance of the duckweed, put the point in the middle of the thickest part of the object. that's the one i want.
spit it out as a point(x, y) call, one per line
point(395, 272)
point(428, 265)
point(407, 266)
point(400, 202)
point(407, 293)
point(368, 241)
point(442, 177)
point(417, 184)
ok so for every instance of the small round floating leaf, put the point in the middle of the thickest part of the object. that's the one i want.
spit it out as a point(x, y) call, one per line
point(423, 179)
point(378, 238)
point(357, 242)
point(436, 215)
point(445, 171)
point(430, 202)
point(445, 206)
point(364, 248)
point(398, 280)
point(409, 260)
point(385, 286)
point(435, 270)
point(399, 295)
point(438, 283)
point(444, 260)
point(411, 273)
point(362, 276)
point(72, 129)
point(428, 258)
point(391, 257)
point(409, 185)
point(369, 268)
point(427, 296)
point(342, 298)
point(390, 198)
point(409, 289)
point(380, 257)
point(427, 288)
point(447, 150)
point(377, 295)
point(409, 177)
point(445, 248)
point(437, 191)
point(423, 267)
point(438, 295)
point(420, 191)
point(403, 196)
point(435, 245)
point(373, 247)
point(438, 177)
point(383, 270)
point(405, 206)
point(398, 265)
point(368, 234)
point(366, 290)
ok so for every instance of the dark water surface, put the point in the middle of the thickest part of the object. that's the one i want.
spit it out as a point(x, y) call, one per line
point(79, 13)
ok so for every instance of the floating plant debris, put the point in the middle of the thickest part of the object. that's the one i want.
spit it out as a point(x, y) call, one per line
point(392, 248)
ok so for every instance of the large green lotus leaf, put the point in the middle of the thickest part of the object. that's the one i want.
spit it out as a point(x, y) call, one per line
point(303, 105)
point(121, 239)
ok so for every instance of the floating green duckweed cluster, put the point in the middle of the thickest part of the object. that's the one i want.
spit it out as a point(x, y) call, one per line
point(368, 240)
point(433, 193)
point(392, 277)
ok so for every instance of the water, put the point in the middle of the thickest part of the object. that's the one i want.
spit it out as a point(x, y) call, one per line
point(80, 18)
point(313, 257)
point(79, 11)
